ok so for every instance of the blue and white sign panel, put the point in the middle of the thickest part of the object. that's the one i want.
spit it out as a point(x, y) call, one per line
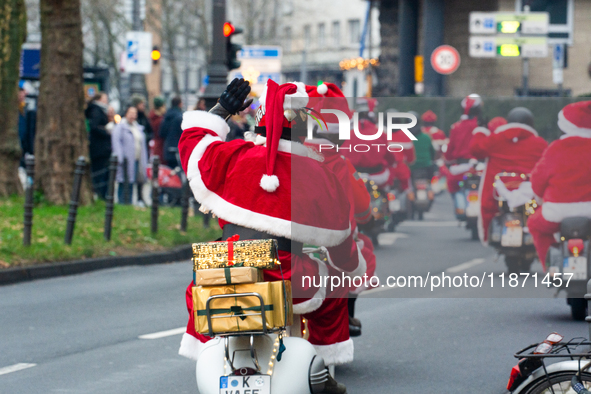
point(138, 58)
point(259, 64)
point(30, 60)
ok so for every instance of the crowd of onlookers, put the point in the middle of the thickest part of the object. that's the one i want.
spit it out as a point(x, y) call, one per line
point(134, 137)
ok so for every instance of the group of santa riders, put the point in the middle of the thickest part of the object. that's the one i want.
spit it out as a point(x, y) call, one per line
point(279, 183)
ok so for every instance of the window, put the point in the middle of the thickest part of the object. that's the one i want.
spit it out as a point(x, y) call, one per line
point(336, 33)
point(561, 17)
point(321, 36)
point(307, 34)
point(354, 35)
point(287, 39)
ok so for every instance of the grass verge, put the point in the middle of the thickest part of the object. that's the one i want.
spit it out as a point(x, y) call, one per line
point(130, 235)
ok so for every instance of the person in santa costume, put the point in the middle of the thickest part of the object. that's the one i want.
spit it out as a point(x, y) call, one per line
point(329, 96)
point(404, 158)
point(512, 147)
point(438, 137)
point(458, 152)
point(276, 188)
point(561, 177)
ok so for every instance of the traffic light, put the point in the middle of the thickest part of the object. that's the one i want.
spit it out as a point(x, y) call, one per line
point(231, 49)
point(156, 55)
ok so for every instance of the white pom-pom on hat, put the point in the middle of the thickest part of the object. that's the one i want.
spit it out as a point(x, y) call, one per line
point(269, 183)
point(322, 89)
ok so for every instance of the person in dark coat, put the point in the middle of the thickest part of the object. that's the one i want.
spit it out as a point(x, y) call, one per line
point(26, 126)
point(100, 142)
point(139, 102)
point(170, 131)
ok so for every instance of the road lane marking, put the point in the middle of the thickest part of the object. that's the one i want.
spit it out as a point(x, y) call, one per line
point(15, 367)
point(428, 224)
point(386, 239)
point(465, 266)
point(377, 290)
point(164, 334)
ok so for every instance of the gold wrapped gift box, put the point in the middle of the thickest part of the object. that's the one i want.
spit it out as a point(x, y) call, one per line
point(259, 253)
point(228, 276)
point(226, 312)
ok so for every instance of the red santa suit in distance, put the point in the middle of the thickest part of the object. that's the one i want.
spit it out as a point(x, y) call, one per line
point(562, 175)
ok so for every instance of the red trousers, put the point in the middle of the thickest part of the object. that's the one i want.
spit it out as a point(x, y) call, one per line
point(487, 216)
point(543, 233)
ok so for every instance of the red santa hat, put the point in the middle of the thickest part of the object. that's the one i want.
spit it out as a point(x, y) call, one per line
point(429, 117)
point(469, 102)
point(575, 119)
point(276, 112)
point(328, 96)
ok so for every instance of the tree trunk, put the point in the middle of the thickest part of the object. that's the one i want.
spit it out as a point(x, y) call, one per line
point(13, 27)
point(61, 132)
point(387, 72)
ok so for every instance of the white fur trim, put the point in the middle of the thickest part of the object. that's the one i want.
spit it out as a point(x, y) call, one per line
point(296, 100)
point(457, 169)
point(464, 117)
point(292, 147)
point(557, 211)
point(244, 217)
point(190, 347)
point(322, 89)
point(337, 353)
point(205, 120)
point(571, 129)
point(404, 145)
point(269, 183)
point(380, 178)
point(508, 126)
point(477, 100)
point(315, 302)
point(482, 130)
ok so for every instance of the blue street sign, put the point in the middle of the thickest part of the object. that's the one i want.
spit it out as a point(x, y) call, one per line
point(29, 65)
point(259, 53)
point(489, 23)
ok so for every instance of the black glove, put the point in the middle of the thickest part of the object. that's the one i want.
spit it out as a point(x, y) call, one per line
point(233, 97)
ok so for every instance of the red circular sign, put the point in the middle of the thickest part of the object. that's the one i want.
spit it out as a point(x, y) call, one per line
point(445, 59)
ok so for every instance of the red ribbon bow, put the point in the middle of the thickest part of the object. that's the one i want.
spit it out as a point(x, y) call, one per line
point(231, 241)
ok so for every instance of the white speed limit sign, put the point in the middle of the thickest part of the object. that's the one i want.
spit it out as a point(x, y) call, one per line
point(445, 59)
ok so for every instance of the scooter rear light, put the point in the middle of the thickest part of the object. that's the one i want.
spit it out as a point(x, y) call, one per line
point(411, 196)
point(435, 179)
point(473, 197)
point(421, 186)
point(391, 196)
point(576, 246)
point(514, 378)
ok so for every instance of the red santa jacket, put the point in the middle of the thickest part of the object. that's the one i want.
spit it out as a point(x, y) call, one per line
point(513, 147)
point(377, 158)
point(459, 139)
point(562, 178)
point(437, 136)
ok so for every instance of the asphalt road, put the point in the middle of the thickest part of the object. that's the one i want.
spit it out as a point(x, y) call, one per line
point(81, 334)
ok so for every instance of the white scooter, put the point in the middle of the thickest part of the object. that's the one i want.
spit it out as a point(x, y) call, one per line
point(259, 362)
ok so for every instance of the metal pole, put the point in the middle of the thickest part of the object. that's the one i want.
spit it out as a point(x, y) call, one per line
point(525, 90)
point(408, 23)
point(29, 189)
point(136, 80)
point(155, 194)
point(184, 202)
point(110, 197)
point(217, 70)
point(78, 174)
point(126, 184)
point(588, 298)
point(433, 31)
point(303, 68)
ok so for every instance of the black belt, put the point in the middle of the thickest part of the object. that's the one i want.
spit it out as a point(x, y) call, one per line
point(370, 170)
point(284, 244)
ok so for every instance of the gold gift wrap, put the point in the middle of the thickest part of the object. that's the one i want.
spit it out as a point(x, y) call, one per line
point(228, 276)
point(259, 253)
point(278, 308)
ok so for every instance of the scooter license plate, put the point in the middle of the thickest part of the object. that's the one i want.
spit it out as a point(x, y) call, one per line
point(512, 236)
point(576, 266)
point(473, 209)
point(421, 194)
point(394, 205)
point(253, 384)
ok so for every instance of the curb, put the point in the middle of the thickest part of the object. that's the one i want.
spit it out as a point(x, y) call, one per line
point(51, 270)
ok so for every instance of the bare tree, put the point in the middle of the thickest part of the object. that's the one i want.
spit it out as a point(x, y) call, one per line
point(387, 72)
point(182, 26)
point(61, 133)
point(13, 26)
point(256, 14)
point(103, 28)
